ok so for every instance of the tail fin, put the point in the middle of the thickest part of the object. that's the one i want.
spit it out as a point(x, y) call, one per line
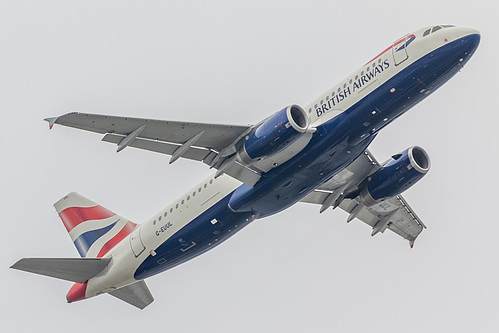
point(93, 229)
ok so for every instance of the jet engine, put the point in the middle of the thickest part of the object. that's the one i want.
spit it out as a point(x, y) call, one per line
point(396, 176)
point(275, 134)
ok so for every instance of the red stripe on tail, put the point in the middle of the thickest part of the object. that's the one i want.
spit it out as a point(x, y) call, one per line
point(73, 216)
point(127, 229)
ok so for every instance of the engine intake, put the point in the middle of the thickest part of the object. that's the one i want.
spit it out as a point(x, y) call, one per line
point(275, 134)
point(396, 176)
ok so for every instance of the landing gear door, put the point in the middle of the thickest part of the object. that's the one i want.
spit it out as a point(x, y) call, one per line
point(399, 50)
point(136, 242)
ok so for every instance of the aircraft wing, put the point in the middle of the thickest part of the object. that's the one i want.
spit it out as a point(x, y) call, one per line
point(394, 213)
point(210, 143)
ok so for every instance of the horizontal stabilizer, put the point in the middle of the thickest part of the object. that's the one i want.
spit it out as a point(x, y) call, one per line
point(70, 269)
point(136, 294)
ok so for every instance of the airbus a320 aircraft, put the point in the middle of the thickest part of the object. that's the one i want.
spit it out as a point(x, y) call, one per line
point(316, 155)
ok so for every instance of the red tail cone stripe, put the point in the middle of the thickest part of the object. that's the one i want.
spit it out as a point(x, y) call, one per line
point(73, 216)
point(77, 292)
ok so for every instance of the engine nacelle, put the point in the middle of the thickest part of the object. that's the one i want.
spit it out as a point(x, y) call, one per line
point(275, 134)
point(396, 176)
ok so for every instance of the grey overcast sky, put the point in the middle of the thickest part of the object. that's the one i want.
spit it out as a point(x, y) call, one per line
point(238, 62)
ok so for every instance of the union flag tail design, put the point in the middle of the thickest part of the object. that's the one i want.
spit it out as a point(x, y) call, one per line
point(93, 229)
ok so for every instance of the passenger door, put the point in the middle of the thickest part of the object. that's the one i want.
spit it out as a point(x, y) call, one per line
point(399, 51)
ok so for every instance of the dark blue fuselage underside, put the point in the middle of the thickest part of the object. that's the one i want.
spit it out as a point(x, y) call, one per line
point(334, 145)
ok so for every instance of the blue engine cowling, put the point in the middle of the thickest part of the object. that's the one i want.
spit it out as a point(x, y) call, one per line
point(396, 176)
point(275, 134)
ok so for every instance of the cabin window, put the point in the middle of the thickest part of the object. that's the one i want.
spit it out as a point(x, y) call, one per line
point(171, 210)
point(182, 202)
point(165, 214)
point(211, 181)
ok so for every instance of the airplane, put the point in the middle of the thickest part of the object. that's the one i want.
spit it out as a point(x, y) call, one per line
point(317, 154)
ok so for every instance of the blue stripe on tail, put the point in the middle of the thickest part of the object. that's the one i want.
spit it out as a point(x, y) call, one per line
point(85, 241)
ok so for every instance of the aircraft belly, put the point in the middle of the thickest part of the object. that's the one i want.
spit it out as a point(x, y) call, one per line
point(203, 233)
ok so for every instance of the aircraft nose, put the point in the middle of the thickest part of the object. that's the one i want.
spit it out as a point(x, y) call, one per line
point(466, 42)
point(469, 34)
point(467, 31)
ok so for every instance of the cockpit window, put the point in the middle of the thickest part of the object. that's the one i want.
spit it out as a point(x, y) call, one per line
point(436, 28)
